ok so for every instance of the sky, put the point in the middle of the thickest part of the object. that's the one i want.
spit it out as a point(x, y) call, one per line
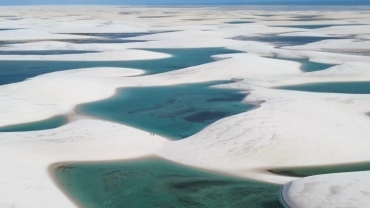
point(183, 2)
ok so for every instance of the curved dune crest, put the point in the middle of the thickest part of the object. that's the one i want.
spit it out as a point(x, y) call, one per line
point(332, 190)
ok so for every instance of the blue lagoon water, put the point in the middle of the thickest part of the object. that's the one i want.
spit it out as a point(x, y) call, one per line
point(306, 64)
point(45, 52)
point(175, 111)
point(281, 41)
point(51, 123)
point(17, 71)
point(154, 182)
point(332, 87)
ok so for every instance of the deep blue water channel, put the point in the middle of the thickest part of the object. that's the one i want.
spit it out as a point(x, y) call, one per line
point(17, 71)
point(332, 87)
point(281, 41)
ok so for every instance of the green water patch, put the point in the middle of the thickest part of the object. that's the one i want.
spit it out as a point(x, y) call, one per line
point(319, 170)
point(51, 123)
point(17, 71)
point(154, 182)
point(175, 111)
point(331, 87)
point(306, 64)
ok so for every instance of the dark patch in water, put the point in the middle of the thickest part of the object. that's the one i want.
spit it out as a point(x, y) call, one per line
point(14, 18)
point(321, 169)
point(306, 16)
point(228, 97)
point(154, 16)
point(287, 173)
point(315, 26)
point(7, 16)
point(194, 19)
point(4, 29)
point(239, 22)
point(281, 41)
point(205, 116)
point(176, 111)
point(265, 15)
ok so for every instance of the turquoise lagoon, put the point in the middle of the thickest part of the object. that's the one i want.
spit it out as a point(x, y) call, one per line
point(17, 71)
point(175, 111)
point(331, 87)
point(306, 64)
point(51, 123)
point(154, 182)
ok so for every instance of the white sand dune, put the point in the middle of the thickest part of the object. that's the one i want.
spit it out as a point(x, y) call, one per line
point(122, 55)
point(25, 182)
point(329, 191)
point(287, 129)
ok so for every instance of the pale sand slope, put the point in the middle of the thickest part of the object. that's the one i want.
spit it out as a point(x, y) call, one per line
point(58, 93)
point(121, 55)
point(289, 129)
point(348, 190)
point(24, 179)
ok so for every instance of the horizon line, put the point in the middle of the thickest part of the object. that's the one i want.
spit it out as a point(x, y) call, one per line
point(210, 4)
